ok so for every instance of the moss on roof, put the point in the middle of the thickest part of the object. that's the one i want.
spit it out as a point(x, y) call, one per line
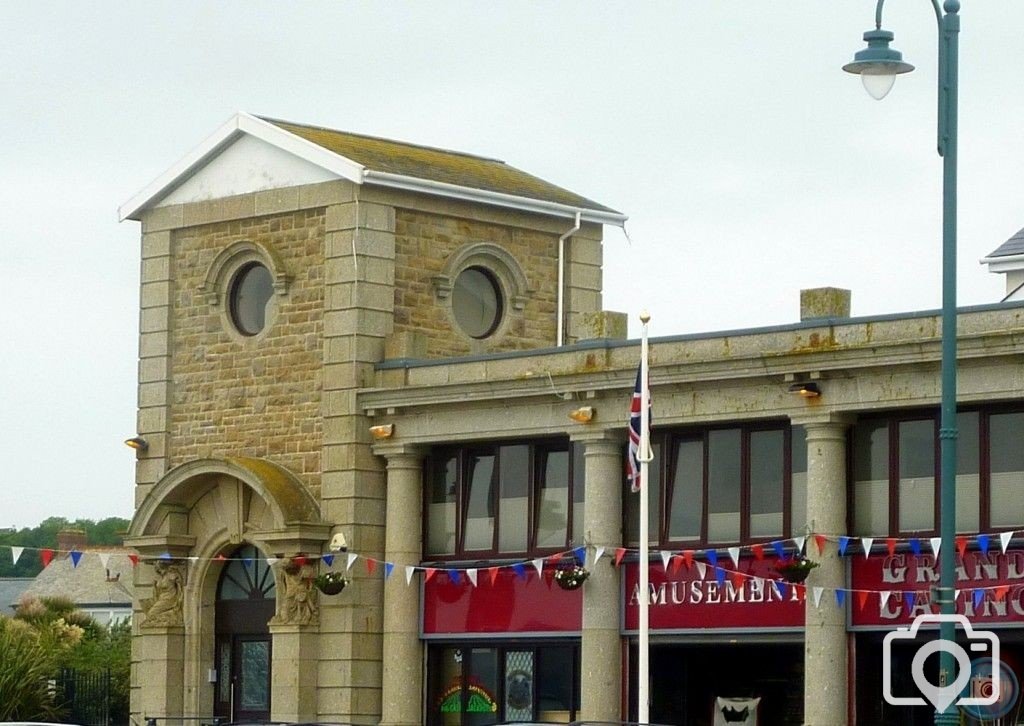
point(424, 162)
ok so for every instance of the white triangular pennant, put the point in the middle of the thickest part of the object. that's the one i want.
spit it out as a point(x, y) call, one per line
point(193, 558)
point(665, 557)
point(883, 597)
point(16, 553)
point(271, 561)
point(817, 595)
point(409, 570)
point(866, 543)
point(538, 564)
point(352, 557)
point(1004, 540)
point(799, 541)
point(598, 554)
point(702, 569)
point(471, 574)
point(936, 543)
point(104, 558)
point(956, 594)
point(734, 553)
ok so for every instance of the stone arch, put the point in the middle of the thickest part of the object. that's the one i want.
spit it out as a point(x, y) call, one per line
point(233, 257)
point(492, 257)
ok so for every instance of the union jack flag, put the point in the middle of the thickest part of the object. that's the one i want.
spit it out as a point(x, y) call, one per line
point(633, 460)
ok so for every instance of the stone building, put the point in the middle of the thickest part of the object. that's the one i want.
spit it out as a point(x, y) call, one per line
point(396, 357)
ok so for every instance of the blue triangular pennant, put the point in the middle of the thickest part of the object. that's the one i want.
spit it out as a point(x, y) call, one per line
point(840, 597)
point(844, 542)
point(329, 559)
point(580, 553)
point(247, 561)
point(712, 558)
point(75, 557)
point(456, 577)
point(977, 596)
point(720, 576)
point(782, 588)
point(520, 570)
point(165, 556)
point(780, 550)
point(915, 545)
point(908, 598)
point(983, 543)
point(388, 567)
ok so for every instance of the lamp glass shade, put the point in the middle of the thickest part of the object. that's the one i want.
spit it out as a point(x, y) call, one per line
point(878, 85)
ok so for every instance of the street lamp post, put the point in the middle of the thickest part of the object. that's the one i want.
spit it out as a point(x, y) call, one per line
point(878, 66)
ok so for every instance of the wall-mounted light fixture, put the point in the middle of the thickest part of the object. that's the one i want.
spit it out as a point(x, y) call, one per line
point(137, 442)
point(583, 414)
point(807, 389)
point(382, 431)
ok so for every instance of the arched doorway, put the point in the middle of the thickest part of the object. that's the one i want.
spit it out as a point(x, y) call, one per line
point(245, 603)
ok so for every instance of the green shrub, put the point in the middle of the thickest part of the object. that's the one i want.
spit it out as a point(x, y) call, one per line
point(26, 668)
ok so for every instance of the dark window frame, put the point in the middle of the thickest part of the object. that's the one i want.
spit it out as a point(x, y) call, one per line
point(535, 469)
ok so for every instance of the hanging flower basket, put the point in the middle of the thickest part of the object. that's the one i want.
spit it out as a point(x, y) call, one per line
point(571, 578)
point(330, 583)
point(796, 569)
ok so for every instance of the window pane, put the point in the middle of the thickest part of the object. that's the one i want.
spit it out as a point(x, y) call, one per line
point(687, 495)
point(724, 486)
point(553, 499)
point(1007, 469)
point(519, 685)
point(514, 512)
point(579, 493)
point(445, 688)
point(255, 676)
point(798, 482)
point(442, 506)
point(917, 476)
point(767, 462)
point(482, 688)
point(555, 673)
point(968, 479)
point(871, 478)
point(480, 503)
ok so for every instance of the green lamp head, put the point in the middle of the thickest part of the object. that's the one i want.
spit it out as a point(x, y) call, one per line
point(878, 64)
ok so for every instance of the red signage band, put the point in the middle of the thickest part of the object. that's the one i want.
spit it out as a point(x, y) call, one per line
point(503, 601)
point(683, 600)
point(991, 588)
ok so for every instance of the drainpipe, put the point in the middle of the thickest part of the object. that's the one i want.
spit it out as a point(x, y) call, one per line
point(561, 279)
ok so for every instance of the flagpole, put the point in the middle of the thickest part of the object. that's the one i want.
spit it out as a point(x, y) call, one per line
point(643, 663)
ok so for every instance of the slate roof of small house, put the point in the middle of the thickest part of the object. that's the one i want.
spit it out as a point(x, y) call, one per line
point(441, 165)
point(89, 583)
point(1012, 246)
point(11, 589)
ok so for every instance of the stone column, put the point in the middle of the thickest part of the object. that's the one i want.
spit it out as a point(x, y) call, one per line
point(402, 684)
point(293, 673)
point(601, 661)
point(825, 641)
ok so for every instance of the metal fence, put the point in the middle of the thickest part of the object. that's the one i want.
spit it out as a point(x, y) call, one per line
point(86, 696)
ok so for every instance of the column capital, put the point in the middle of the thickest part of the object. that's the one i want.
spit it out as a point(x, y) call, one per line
point(591, 436)
point(397, 451)
point(822, 419)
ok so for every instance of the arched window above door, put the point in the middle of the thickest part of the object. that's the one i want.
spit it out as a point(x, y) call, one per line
point(247, 576)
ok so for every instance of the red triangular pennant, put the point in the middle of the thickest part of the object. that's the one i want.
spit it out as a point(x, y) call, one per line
point(300, 560)
point(46, 556)
point(371, 565)
point(758, 551)
point(134, 559)
point(619, 554)
point(1001, 591)
point(493, 572)
point(890, 543)
point(961, 545)
point(428, 573)
point(688, 558)
point(819, 539)
point(862, 598)
point(674, 564)
point(737, 579)
point(220, 557)
point(553, 559)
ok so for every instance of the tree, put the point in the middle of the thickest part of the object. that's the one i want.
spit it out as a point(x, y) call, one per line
point(109, 531)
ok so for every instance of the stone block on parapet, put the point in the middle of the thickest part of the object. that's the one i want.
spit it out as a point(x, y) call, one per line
point(242, 206)
point(276, 201)
point(824, 302)
point(371, 216)
point(156, 244)
point(163, 218)
point(602, 325)
point(405, 344)
point(324, 194)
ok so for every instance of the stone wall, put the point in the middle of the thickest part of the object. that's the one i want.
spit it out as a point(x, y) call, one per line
point(258, 396)
point(424, 242)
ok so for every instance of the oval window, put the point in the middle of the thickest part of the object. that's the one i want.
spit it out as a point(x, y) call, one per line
point(251, 293)
point(476, 302)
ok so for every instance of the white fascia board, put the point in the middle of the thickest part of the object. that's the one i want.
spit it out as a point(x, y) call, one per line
point(483, 196)
point(240, 123)
point(1003, 263)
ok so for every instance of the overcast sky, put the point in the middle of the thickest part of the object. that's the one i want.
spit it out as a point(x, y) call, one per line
point(749, 164)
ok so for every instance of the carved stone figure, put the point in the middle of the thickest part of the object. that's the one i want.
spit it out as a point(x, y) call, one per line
point(165, 607)
point(299, 604)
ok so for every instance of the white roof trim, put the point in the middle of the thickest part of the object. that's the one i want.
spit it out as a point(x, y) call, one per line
point(471, 194)
point(1003, 263)
point(240, 123)
point(243, 123)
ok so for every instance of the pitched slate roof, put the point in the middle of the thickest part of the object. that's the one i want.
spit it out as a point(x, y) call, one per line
point(11, 589)
point(89, 583)
point(441, 165)
point(1012, 246)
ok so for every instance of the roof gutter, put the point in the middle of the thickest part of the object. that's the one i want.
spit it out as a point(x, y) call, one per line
point(1003, 263)
point(512, 201)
